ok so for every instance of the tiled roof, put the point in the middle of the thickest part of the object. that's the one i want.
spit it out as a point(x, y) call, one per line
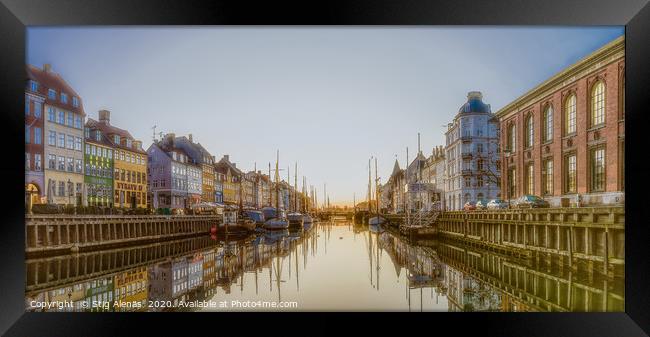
point(51, 80)
point(109, 130)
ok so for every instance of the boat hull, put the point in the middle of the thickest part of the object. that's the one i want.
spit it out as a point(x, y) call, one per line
point(276, 224)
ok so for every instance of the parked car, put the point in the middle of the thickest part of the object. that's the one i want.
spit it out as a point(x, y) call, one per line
point(531, 201)
point(497, 204)
point(481, 204)
point(469, 206)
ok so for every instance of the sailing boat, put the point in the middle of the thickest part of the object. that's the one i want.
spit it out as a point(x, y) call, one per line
point(295, 218)
point(375, 221)
point(307, 220)
point(278, 221)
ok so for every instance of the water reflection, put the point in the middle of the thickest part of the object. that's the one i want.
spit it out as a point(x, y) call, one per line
point(329, 266)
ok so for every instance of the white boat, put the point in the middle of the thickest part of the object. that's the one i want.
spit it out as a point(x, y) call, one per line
point(376, 228)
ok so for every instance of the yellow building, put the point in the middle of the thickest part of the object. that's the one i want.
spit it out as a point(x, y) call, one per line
point(129, 164)
point(131, 290)
point(232, 183)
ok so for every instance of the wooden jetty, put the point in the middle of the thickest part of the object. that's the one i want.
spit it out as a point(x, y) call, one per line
point(58, 234)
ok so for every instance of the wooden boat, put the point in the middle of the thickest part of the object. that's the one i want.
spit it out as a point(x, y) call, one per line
point(295, 219)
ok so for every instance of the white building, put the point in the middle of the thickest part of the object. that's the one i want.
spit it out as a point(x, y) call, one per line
point(472, 154)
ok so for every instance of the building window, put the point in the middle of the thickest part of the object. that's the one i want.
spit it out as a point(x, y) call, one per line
point(33, 85)
point(61, 166)
point(512, 183)
point(597, 169)
point(530, 179)
point(78, 165)
point(621, 165)
point(548, 177)
point(61, 117)
point(61, 188)
point(77, 121)
point(51, 94)
point(50, 114)
point(61, 140)
point(70, 119)
point(75, 102)
point(87, 149)
point(548, 123)
point(27, 161)
point(51, 139)
point(570, 172)
point(37, 162)
point(64, 98)
point(27, 134)
point(529, 131)
point(116, 139)
point(512, 137)
point(37, 109)
point(621, 94)
point(93, 150)
point(479, 181)
point(598, 104)
point(70, 164)
point(570, 115)
point(51, 161)
point(37, 136)
point(77, 143)
point(26, 106)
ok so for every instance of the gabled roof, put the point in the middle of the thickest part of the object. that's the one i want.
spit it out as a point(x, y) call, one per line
point(224, 163)
point(396, 168)
point(51, 80)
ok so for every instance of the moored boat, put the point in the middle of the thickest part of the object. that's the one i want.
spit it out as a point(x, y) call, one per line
point(295, 219)
point(276, 223)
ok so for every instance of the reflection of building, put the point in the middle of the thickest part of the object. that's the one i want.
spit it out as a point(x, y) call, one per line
point(131, 287)
point(465, 293)
point(62, 135)
point(168, 281)
point(472, 154)
point(566, 137)
point(195, 271)
point(99, 294)
point(129, 163)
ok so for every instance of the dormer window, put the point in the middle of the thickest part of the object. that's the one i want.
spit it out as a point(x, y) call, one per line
point(51, 94)
point(128, 143)
point(75, 102)
point(64, 98)
point(174, 155)
point(33, 85)
point(98, 135)
point(116, 139)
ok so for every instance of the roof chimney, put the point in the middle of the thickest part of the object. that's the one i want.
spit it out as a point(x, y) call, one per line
point(169, 139)
point(105, 116)
point(47, 67)
point(190, 137)
point(474, 94)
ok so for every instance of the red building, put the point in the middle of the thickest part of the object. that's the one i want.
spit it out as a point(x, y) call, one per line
point(34, 177)
point(564, 139)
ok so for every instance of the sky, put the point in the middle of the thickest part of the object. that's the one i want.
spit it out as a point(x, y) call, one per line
point(326, 98)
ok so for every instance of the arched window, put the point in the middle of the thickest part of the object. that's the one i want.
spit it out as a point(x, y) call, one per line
point(570, 114)
point(621, 94)
point(598, 103)
point(548, 123)
point(529, 131)
point(466, 197)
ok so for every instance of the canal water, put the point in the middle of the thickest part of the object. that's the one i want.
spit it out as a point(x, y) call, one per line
point(330, 266)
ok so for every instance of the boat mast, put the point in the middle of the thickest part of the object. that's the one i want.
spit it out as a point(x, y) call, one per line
point(376, 189)
point(277, 192)
point(295, 187)
point(369, 186)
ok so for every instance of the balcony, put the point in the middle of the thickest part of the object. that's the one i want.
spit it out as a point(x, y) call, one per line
point(465, 139)
point(466, 155)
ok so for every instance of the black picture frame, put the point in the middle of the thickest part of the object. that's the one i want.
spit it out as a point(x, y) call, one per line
point(16, 15)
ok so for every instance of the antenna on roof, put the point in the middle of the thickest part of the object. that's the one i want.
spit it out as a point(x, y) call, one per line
point(154, 133)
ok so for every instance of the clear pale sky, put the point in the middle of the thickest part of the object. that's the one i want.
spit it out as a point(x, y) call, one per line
point(328, 98)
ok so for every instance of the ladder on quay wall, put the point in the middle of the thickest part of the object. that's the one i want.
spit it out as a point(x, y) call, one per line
point(419, 220)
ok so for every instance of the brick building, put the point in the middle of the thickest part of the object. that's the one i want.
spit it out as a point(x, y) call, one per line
point(564, 139)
